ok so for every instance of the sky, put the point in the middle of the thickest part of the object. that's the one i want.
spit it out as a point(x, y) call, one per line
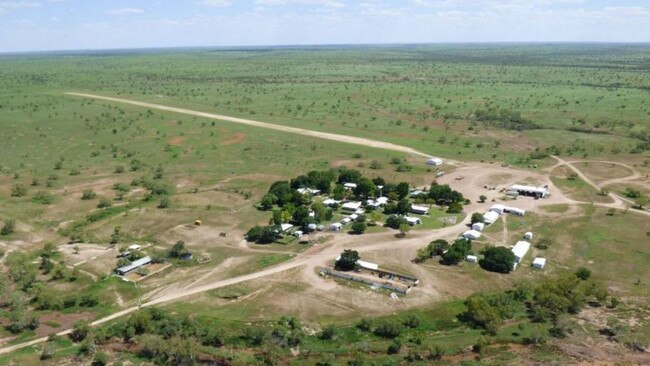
point(42, 25)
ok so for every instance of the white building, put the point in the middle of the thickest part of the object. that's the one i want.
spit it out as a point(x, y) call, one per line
point(298, 234)
point(528, 236)
point(539, 263)
point(308, 191)
point(515, 210)
point(379, 202)
point(520, 249)
point(490, 217)
point(478, 226)
point(420, 210)
point(537, 192)
point(434, 161)
point(346, 220)
point(350, 185)
point(412, 220)
point(336, 226)
point(472, 258)
point(364, 264)
point(472, 234)
point(351, 206)
point(498, 208)
point(134, 247)
point(133, 266)
point(285, 227)
point(331, 202)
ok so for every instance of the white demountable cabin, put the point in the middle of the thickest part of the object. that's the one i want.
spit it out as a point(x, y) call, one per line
point(539, 263)
point(490, 217)
point(520, 249)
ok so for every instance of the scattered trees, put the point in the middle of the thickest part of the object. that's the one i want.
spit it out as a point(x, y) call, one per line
point(457, 252)
point(18, 190)
point(8, 227)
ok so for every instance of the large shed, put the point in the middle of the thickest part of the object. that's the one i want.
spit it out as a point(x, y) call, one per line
point(537, 192)
point(133, 266)
point(434, 161)
point(420, 210)
point(472, 234)
point(520, 249)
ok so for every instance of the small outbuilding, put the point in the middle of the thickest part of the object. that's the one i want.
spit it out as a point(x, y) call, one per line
point(298, 234)
point(472, 234)
point(516, 211)
point(434, 161)
point(285, 227)
point(420, 210)
point(337, 226)
point(539, 263)
point(350, 185)
point(346, 220)
point(478, 226)
point(490, 217)
point(528, 236)
point(413, 220)
point(472, 258)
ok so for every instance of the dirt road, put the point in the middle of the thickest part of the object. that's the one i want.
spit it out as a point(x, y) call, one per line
point(300, 131)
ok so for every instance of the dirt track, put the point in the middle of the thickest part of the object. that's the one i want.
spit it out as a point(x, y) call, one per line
point(300, 131)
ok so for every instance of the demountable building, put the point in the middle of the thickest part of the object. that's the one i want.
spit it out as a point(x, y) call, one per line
point(336, 226)
point(490, 217)
point(478, 226)
point(498, 208)
point(331, 202)
point(285, 227)
point(434, 161)
point(412, 220)
point(472, 258)
point(351, 206)
point(420, 210)
point(516, 211)
point(520, 249)
point(528, 236)
point(350, 185)
point(472, 234)
point(539, 263)
point(133, 266)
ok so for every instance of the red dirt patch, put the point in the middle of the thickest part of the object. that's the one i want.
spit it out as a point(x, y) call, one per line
point(176, 141)
point(235, 138)
point(65, 321)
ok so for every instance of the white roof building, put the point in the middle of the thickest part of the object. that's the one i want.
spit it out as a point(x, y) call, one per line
point(351, 206)
point(520, 249)
point(379, 202)
point(412, 220)
point(528, 236)
point(490, 217)
point(516, 211)
point(133, 266)
point(472, 234)
point(353, 216)
point(478, 226)
point(134, 247)
point(336, 226)
point(434, 161)
point(331, 202)
point(539, 263)
point(285, 227)
point(541, 192)
point(350, 185)
point(498, 208)
point(416, 192)
point(472, 258)
point(346, 220)
point(421, 210)
point(308, 190)
point(364, 264)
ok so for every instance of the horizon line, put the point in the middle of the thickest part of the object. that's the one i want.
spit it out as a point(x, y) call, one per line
point(313, 45)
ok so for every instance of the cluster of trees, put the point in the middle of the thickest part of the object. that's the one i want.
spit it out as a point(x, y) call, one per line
point(435, 248)
point(457, 252)
point(505, 119)
point(547, 300)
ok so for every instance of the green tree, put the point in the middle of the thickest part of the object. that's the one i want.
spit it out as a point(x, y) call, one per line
point(457, 252)
point(104, 202)
point(583, 273)
point(268, 200)
point(497, 259)
point(117, 235)
point(482, 198)
point(347, 261)
point(358, 227)
point(178, 249)
point(455, 208)
point(165, 202)
point(79, 332)
point(404, 228)
point(477, 217)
